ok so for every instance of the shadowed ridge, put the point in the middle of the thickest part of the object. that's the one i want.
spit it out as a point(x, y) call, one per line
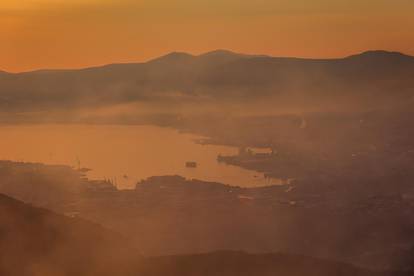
point(40, 242)
point(9, 201)
point(221, 52)
point(226, 55)
point(380, 55)
point(219, 57)
point(173, 57)
point(232, 263)
point(219, 76)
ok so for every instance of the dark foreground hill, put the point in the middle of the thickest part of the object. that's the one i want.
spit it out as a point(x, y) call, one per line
point(40, 243)
point(241, 264)
point(361, 218)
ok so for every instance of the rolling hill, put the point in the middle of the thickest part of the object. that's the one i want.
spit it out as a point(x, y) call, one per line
point(37, 242)
point(372, 79)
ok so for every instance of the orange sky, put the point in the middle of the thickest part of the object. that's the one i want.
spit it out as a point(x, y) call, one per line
point(77, 33)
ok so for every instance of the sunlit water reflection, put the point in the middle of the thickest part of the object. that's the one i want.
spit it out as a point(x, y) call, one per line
point(124, 154)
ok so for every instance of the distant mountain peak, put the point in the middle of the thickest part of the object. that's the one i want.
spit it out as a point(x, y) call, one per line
point(173, 56)
point(221, 52)
point(380, 54)
point(178, 54)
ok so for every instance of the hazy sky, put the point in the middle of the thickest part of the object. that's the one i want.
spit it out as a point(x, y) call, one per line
point(77, 33)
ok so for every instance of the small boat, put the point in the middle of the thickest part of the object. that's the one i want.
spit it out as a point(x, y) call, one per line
point(84, 170)
point(191, 164)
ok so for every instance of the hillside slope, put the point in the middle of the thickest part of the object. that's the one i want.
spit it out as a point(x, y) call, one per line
point(36, 242)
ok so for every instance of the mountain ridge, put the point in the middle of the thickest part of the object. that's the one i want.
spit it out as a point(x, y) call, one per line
point(175, 54)
point(219, 76)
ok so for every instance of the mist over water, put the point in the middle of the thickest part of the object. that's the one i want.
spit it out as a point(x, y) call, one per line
point(124, 154)
point(341, 129)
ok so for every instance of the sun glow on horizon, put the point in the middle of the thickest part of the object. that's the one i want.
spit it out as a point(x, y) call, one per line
point(80, 33)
